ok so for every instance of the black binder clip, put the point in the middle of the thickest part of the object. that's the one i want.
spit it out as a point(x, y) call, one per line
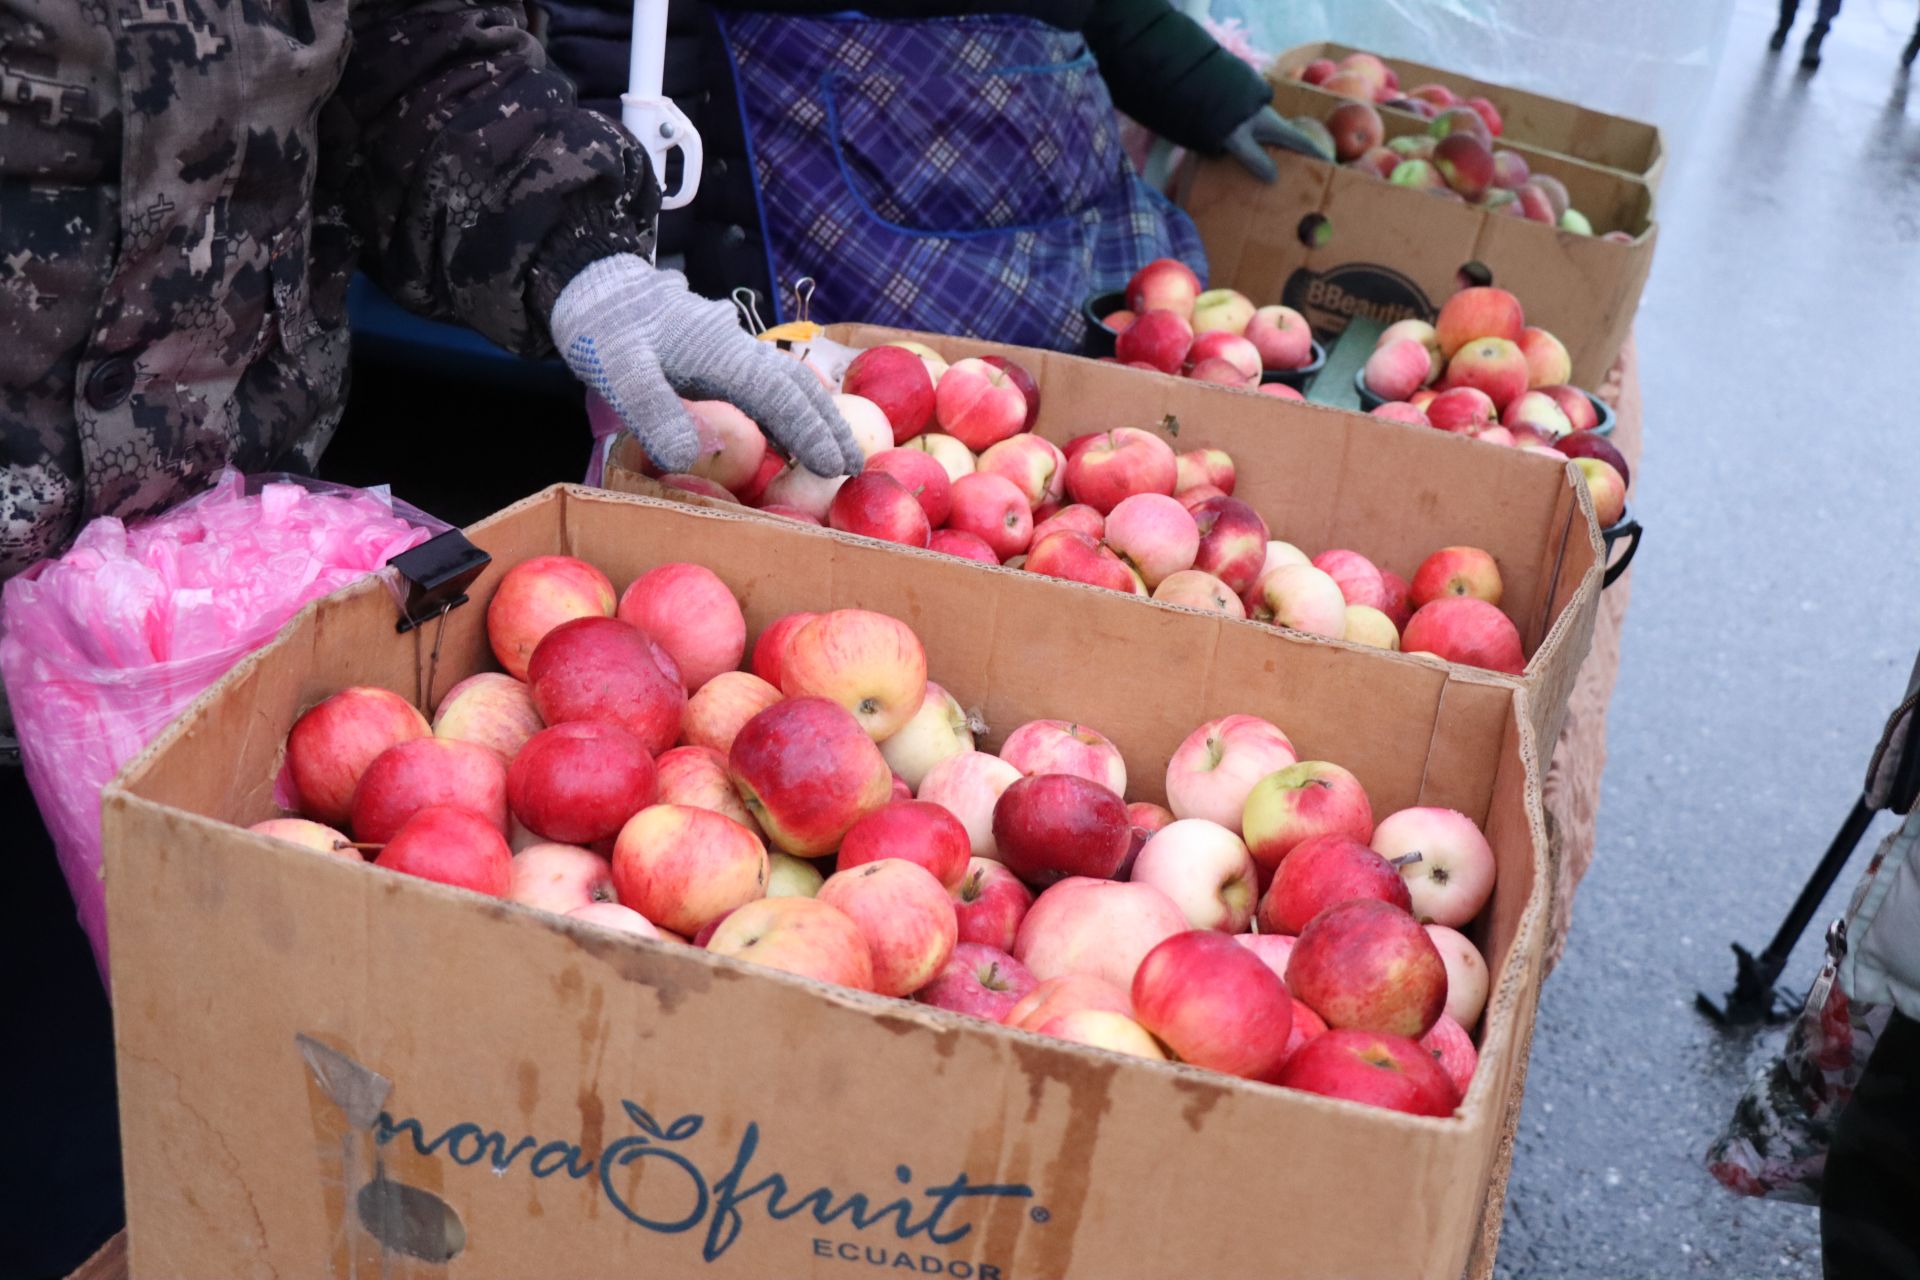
point(438, 573)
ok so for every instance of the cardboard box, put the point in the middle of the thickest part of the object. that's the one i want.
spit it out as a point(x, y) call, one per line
point(1333, 242)
point(559, 1101)
point(1325, 479)
point(1533, 120)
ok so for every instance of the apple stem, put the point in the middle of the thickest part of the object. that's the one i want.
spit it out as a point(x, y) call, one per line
point(1408, 859)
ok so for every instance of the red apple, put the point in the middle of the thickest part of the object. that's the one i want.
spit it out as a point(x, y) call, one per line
point(1214, 769)
point(1488, 113)
point(1205, 869)
point(1307, 1025)
point(1547, 361)
point(916, 831)
point(1274, 951)
point(1100, 928)
point(1220, 344)
point(1020, 378)
point(1069, 993)
point(607, 670)
point(1222, 373)
point(1467, 978)
point(993, 509)
point(1399, 603)
point(771, 646)
point(491, 709)
point(1419, 331)
point(1317, 71)
point(1459, 120)
point(1312, 798)
point(919, 473)
point(1575, 404)
point(682, 867)
point(1510, 171)
point(1076, 518)
point(1397, 369)
point(1357, 577)
point(332, 744)
point(1279, 391)
point(1215, 1005)
point(1456, 571)
point(1463, 410)
point(451, 846)
point(1465, 630)
point(691, 613)
point(733, 450)
point(969, 784)
point(1584, 444)
point(807, 772)
point(1074, 557)
point(989, 903)
point(1157, 339)
point(1399, 411)
point(875, 505)
point(966, 546)
point(1111, 466)
point(801, 936)
point(1453, 1049)
point(898, 382)
point(1035, 466)
point(1233, 542)
point(1368, 964)
point(1154, 534)
point(424, 772)
point(698, 776)
point(904, 915)
point(1349, 84)
point(1438, 94)
point(559, 878)
point(869, 663)
point(1493, 365)
point(538, 595)
point(978, 404)
point(1608, 487)
point(980, 981)
point(308, 835)
point(714, 715)
point(1283, 338)
point(578, 783)
point(1061, 746)
point(1197, 590)
point(1058, 825)
point(1323, 872)
point(1466, 163)
point(1356, 129)
point(1165, 284)
point(1479, 312)
point(1393, 1072)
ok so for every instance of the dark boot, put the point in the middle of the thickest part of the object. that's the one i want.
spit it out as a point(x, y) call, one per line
point(1787, 9)
point(1810, 54)
point(1912, 50)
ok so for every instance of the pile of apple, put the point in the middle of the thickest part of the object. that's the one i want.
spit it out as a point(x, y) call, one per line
point(1219, 336)
point(1481, 371)
point(626, 770)
point(1364, 77)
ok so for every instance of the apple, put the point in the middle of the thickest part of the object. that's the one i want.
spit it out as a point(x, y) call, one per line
point(916, 831)
point(1203, 466)
point(1533, 202)
point(898, 382)
point(1488, 113)
point(1302, 598)
point(969, 785)
point(714, 714)
point(1584, 444)
point(1548, 363)
point(1317, 71)
point(1399, 605)
point(308, 835)
point(732, 447)
point(1191, 497)
point(1304, 800)
point(1456, 571)
point(559, 878)
point(1165, 284)
point(1158, 339)
point(1460, 120)
point(1510, 171)
point(1538, 412)
point(1116, 322)
point(1467, 979)
point(939, 729)
point(1205, 869)
point(794, 514)
point(993, 509)
point(1393, 1072)
point(875, 505)
point(1323, 872)
point(1061, 746)
point(905, 916)
point(1438, 94)
point(537, 595)
point(1099, 1029)
point(1078, 518)
point(1356, 128)
point(1419, 174)
point(980, 981)
point(1233, 542)
point(1284, 340)
point(1479, 312)
point(1035, 466)
point(868, 422)
point(954, 458)
point(334, 741)
point(1468, 631)
point(1369, 66)
point(807, 772)
point(1452, 875)
point(1462, 410)
point(1273, 950)
point(579, 782)
point(1221, 311)
point(1215, 1005)
point(404, 779)
point(491, 709)
point(1230, 347)
point(1423, 399)
point(965, 546)
point(1198, 590)
point(1368, 626)
point(920, 474)
point(1608, 487)
point(802, 936)
point(771, 645)
point(686, 482)
point(1397, 369)
point(1110, 466)
point(1492, 365)
point(682, 867)
point(1576, 405)
point(1214, 769)
point(1100, 928)
point(978, 404)
point(1399, 411)
point(1223, 373)
point(611, 671)
point(936, 363)
point(451, 846)
point(1368, 964)
point(1148, 817)
point(1417, 146)
point(799, 489)
point(1307, 1024)
point(1466, 162)
point(1053, 826)
point(1280, 391)
point(1068, 993)
point(689, 612)
point(1418, 331)
point(1074, 557)
point(869, 663)
point(1029, 389)
point(1453, 1049)
point(1357, 577)
point(989, 902)
point(791, 877)
point(1496, 435)
point(1349, 84)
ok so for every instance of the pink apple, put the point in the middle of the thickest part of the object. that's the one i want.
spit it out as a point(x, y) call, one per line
point(1222, 373)
point(491, 709)
point(954, 458)
point(1100, 1029)
point(979, 405)
point(771, 645)
point(332, 744)
point(308, 835)
point(798, 489)
point(1453, 1049)
point(1608, 488)
point(1154, 534)
point(905, 916)
point(965, 546)
point(1468, 631)
point(451, 846)
point(1547, 361)
point(1114, 465)
point(939, 729)
point(732, 447)
point(579, 782)
point(1478, 313)
point(1574, 403)
point(685, 482)
point(404, 779)
point(611, 915)
point(1068, 993)
point(538, 595)
point(1205, 869)
point(801, 936)
point(1399, 605)
point(608, 670)
point(1367, 964)
point(1203, 466)
point(917, 831)
point(1282, 337)
point(1215, 1005)
point(1492, 365)
point(559, 878)
point(795, 514)
point(1054, 826)
point(993, 509)
point(1399, 411)
point(1467, 979)
point(1077, 518)
point(1421, 332)
point(1020, 378)
point(1061, 746)
point(1232, 348)
point(1198, 590)
point(1356, 576)
point(698, 776)
point(1539, 412)
point(1386, 1071)
point(1100, 928)
point(920, 474)
point(1279, 391)
point(1074, 557)
point(1035, 466)
point(1304, 800)
point(990, 902)
point(691, 613)
point(1462, 410)
point(1233, 542)
point(1398, 369)
point(869, 663)
point(1164, 284)
point(682, 867)
point(1452, 877)
point(875, 505)
point(1215, 768)
point(898, 382)
point(1456, 571)
point(871, 430)
point(1302, 598)
point(980, 981)
point(1273, 949)
point(1323, 872)
point(1222, 311)
point(714, 714)
point(969, 785)
point(807, 772)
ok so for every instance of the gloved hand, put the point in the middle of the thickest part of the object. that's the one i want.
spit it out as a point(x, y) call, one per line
point(641, 339)
point(1265, 128)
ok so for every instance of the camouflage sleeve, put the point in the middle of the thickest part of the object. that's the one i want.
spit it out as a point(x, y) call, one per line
point(477, 186)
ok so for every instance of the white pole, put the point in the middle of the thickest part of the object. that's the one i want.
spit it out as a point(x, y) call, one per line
point(655, 123)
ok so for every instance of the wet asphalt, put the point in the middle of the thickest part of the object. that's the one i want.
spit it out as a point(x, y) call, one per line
point(1775, 616)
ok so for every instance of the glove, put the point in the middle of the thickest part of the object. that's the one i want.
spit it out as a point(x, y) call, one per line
point(641, 339)
point(1264, 128)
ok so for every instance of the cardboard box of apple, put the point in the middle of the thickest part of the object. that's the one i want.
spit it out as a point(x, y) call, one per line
point(1481, 371)
point(1167, 324)
point(816, 804)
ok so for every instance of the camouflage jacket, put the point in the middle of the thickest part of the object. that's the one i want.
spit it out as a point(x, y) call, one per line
point(186, 187)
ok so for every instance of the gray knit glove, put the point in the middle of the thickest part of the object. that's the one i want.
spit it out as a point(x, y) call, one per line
point(641, 339)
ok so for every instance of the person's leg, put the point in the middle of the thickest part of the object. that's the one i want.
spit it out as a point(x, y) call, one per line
point(1788, 8)
point(1912, 50)
point(1869, 1227)
point(1823, 19)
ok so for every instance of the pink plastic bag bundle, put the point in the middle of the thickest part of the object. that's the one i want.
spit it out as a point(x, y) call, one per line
point(104, 646)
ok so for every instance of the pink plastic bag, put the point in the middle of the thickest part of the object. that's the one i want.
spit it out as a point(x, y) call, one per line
point(105, 645)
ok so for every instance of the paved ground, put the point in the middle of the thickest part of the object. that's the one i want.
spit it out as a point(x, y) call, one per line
point(1776, 612)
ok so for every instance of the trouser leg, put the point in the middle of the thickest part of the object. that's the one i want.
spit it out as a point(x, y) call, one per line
point(1869, 1224)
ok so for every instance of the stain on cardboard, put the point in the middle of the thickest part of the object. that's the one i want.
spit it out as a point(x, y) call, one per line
point(1069, 1175)
point(1202, 1097)
point(672, 978)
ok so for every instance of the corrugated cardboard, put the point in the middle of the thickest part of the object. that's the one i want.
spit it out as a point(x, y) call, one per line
point(586, 1104)
point(1325, 479)
point(1535, 121)
point(1333, 242)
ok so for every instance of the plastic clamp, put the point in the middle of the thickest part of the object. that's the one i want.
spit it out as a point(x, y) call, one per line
point(437, 573)
point(1630, 530)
